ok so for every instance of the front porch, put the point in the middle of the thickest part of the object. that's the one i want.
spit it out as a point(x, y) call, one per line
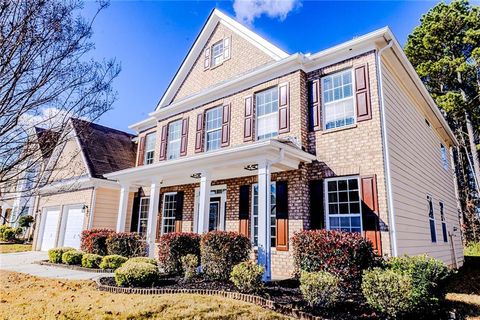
point(219, 191)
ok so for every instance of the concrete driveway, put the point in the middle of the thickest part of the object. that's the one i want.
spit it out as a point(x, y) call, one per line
point(23, 262)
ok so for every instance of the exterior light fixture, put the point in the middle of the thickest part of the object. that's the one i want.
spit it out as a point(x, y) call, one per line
point(251, 167)
point(197, 175)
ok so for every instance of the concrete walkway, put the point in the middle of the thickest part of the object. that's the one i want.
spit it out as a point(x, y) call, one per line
point(23, 262)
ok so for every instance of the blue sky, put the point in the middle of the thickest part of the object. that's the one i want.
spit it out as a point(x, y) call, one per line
point(150, 39)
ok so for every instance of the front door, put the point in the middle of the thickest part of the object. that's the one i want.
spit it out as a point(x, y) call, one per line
point(214, 214)
point(216, 208)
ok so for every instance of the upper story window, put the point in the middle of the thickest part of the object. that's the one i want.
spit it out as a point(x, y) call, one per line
point(444, 221)
point(267, 113)
point(149, 148)
point(273, 214)
point(213, 132)
point(431, 218)
point(174, 137)
point(337, 92)
point(343, 204)
point(443, 154)
point(217, 53)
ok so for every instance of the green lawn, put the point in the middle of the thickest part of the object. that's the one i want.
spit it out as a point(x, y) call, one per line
point(14, 247)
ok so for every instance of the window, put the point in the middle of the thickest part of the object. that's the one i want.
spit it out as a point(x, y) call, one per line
point(343, 204)
point(267, 113)
point(273, 214)
point(431, 218)
point(217, 53)
point(444, 221)
point(337, 90)
point(169, 210)
point(149, 148)
point(213, 130)
point(143, 215)
point(174, 137)
point(443, 154)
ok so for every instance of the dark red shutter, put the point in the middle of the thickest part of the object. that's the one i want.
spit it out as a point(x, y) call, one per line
point(206, 61)
point(282, 215)
point(317, 215)
point(248, 122)
point(315, 115)
point(135, 211)
point(179, 211)
point(244, 209)
point(199, 133)
point(163, 143)
point(284, 108)
point(141, 151)
point(226, 126)
point(184, 139)
point(362, 93)
point(370, 220)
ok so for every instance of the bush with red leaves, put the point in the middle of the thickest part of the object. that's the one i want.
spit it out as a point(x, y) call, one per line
point(173, 246)
point(94, 241)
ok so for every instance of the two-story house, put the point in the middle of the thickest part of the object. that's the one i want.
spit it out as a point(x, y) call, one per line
point(249, 138)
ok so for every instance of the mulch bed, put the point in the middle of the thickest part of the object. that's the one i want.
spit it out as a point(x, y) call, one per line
point(282, 296)
point(73, 267)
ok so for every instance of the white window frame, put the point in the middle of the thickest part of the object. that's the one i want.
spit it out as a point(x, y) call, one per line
point(326, 202)
point(444, 156)
point(268, 115)
point(149, 154)
point(354, 102)
point(219, 55)
point(252, 222)
point(162, 229)
point(432, 218)
point(443, 220)
point(170, 150)
point(219, 128)
point(140, 213)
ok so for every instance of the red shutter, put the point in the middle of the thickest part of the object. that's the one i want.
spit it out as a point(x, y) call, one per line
point(315, 115)
point(362, 93)
point(141, 151)
point(248, 122)
point(370, 220)
point(163, 143)
point(283, 108)
point(226, 126)
point(199, 133)
point(244, 209)
point(282, 215)
point(184, 139)
point(206, 63)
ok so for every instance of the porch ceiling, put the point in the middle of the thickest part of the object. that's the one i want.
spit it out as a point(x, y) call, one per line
point(220, 164)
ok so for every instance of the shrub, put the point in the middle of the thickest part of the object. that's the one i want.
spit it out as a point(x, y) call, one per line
point(137, 274)
point(473, 249)
point(247, 277)
point(72, 257)
point(112, 262)
point(173, 246)
point(143, 260)
point(126, 244)
point(25, 221)
point(189, 266)
point(343, 254)
point(319, 289)
point(388, 291)
point(55, 254)
point(91, 260)
point(95, 241)
point(8, 233)
point(220, 251)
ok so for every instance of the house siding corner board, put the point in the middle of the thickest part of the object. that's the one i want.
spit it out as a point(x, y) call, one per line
point(417, 171)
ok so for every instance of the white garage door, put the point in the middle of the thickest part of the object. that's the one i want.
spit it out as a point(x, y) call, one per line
point(50, 229)
point(73, 228)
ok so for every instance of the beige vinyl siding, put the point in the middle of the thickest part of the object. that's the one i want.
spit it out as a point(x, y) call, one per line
point(106, 209)
point(70, 163)
point(417, 171)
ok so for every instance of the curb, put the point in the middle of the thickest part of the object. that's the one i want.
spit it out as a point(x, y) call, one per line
point(259, 301)
point(73, 267)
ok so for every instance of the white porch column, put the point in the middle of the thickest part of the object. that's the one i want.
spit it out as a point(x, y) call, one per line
point(204, 205)
point(152, 216)
point(122, 207)
point(264, 209)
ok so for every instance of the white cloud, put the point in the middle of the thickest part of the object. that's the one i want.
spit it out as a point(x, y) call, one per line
point(247, 11)
point(48, 118)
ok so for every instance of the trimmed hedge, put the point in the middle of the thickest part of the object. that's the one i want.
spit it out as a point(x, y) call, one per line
point(91, 260)
point(126, 244)
point(247, 277)
point(55, 254)
point(343, 254)
point(95, 241)
point(137, 274)
point(173, 246)
point(221, 251)
point(319, 289)
point(112, 262)
point(72, 257)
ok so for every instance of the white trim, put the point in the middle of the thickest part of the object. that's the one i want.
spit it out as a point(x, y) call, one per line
point(92, 208)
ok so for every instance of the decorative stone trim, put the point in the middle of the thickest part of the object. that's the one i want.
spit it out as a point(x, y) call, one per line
point(73, 267)
point(259, 301)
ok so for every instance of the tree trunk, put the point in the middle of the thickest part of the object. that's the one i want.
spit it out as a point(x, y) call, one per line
point(473, 151)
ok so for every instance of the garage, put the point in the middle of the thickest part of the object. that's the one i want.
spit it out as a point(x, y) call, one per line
point(73, 226)
point(50, 229)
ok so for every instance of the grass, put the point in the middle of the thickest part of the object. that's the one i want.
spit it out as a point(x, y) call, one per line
point(14, 247)
point(27, 297)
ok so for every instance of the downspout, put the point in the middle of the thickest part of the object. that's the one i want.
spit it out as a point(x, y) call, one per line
point(386, 153)
point(93, 198)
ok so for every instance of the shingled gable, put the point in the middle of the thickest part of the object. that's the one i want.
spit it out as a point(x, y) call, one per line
point(105, 149)
point(218, 22)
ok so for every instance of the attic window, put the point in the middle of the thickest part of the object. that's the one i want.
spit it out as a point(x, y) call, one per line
point(217, 53)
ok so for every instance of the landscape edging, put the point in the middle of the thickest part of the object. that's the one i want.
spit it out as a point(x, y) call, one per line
point(73, 267)
point(259, 301)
